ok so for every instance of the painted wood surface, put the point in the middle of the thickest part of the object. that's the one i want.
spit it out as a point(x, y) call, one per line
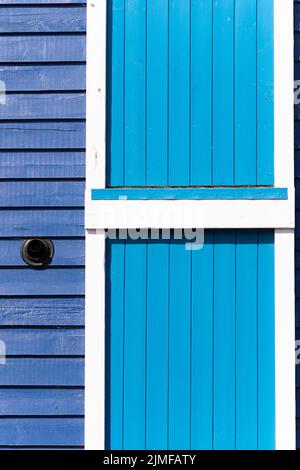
point(49, 281)
point(39, 402)
point(190, 93)
point(191, 343)
point(189, 194)
point(68, 252)
point(42, 194)
point(297, 181)
point(42, 48)
point(43, 77)
point(43, 106)
point(43, 341)
point(57, 165)
point(41, 431)
point(42, 372)
point(42, 156)
point(31, 222)
point(42, 311)
point(33, 19)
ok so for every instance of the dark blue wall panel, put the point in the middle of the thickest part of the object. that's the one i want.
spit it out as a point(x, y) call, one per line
point(297, 182)
point(42, 170)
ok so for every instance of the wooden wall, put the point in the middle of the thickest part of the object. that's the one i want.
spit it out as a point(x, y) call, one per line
point(42, 170)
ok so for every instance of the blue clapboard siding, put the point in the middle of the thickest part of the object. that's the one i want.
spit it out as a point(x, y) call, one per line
point(190, 93)
point(43, 77)
point(42, 48)
point(43, 106)
point(42, 171)
point(51, 402)
point(180, 325)
point(44, 311)
point(43, 342)
point(297, 183)
point(68, 252)
point(42, 194)
point(34, 164)
point(41, 432)
point(29, 19)
point(42, 222)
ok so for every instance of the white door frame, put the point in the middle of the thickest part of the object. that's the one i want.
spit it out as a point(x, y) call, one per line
point(210, 214)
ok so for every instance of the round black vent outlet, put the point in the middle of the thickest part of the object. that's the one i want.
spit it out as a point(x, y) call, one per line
point(37, 252)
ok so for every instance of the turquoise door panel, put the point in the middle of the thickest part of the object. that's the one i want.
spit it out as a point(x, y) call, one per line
point(190, 343)
point(190, 93)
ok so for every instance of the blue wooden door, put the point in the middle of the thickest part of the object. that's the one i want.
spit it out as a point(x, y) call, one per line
point(190, 340)
point(190, 334)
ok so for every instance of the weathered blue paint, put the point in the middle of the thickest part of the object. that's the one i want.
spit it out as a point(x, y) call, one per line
point(181, 326)
point(68, 164)
point(42, 372)
point(50, 402)
point(43, 432)
point(191, 193)
point(190, 98)
point(42, 168)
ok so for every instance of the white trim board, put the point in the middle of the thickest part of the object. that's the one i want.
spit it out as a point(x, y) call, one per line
point(285, 383)
point(190, 214)
point(284, 240)
point(95, 240)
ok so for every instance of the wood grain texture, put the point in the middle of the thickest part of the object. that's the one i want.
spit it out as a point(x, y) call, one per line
point(43, 106)
point(34, 402)
point(49, 311)
point(44, 77)
point(57, 372)
point(33, 222)
point(41, 48)
point(41, 431)
point(42, 135)
point(43, 19)
point(43, 341)
point(42, 165)
point(42, 194)
point(49, 281)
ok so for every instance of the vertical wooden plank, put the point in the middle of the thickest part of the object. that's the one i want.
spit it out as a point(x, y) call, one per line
point(157, 92)
point(265, 92)
point(202, 346)
point(115, 344)
point(245, 92)
point(179, 347)
point(266, 342)
point(115, 93)
point(179, 93)
point(246, 340)
point(157, 346)
point(201, 92)
point(224, 340)
point(223, 95)
point(135, 346)
point(135, 92)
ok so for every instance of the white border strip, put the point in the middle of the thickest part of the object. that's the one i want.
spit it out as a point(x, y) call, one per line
point(190, 213)
point(284, 240)
point(285, 398)
point(95, 240)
